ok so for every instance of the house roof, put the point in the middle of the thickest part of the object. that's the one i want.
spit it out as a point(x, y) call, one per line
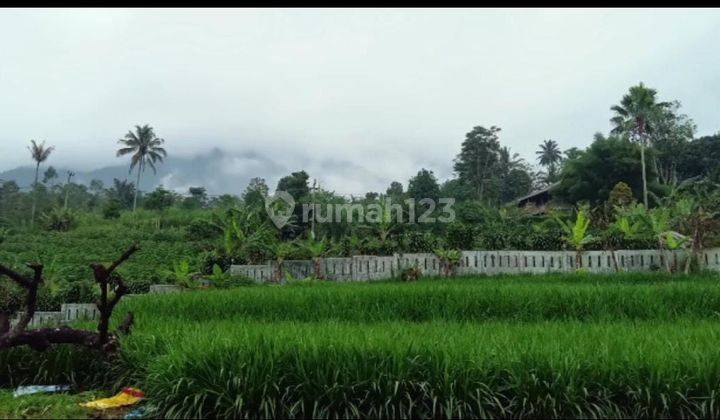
point(538, 192)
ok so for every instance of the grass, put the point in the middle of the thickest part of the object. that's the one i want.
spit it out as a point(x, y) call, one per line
point(636, 345)
point(471, 299)
point(44, 406)
point(66, 255)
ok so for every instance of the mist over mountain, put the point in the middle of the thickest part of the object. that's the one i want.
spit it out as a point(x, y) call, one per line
point(218, 171)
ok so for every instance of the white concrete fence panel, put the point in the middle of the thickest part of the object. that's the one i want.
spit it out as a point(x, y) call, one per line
point(369, 267)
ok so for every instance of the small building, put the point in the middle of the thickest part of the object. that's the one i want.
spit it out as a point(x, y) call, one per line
point(537, 201)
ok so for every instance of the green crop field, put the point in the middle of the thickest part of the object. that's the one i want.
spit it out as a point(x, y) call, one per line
point(639, 345)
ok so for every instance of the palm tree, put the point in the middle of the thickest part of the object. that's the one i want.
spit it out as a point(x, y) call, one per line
point(146, 149)
point(39, 153)
point(634, 116)
point(549, 155)
point(70, 174)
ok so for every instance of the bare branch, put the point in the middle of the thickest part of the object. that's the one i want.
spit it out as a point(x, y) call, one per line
point(127, 254)
point(42, 338)
point(18, 278)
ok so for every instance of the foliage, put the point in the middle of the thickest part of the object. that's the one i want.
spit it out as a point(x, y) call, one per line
point(449, 258)
point(460, 236)
point(579, 342)
point(549, 156)
point(621, 195)
point(181, 274)
point(146, 150)
point(411, 274)
point(159, 199)
point(246, 236)
point(202, 229)
point(59, 219)
point(492, 172)
point(593, 173)
point(576, 234)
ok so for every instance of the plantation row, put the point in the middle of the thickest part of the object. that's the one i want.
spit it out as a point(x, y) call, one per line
point(475, 299)
point(556, 345)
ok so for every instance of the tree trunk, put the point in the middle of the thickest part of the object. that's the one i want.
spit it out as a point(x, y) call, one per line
point(318, 270)
point(695, 248)
point(34, 202)
point(137, 186)
point(578, 260)
point(279, 272)
point(644, 176)
point(614, 259)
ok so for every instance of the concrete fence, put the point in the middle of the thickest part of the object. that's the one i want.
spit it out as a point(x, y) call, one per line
point(368, 267)
point(69, 312)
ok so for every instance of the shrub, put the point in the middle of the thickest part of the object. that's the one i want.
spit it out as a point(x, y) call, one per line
point(460, 236)
point(61, 220)
point(111, 209)
point(208, 259)
point(410, 274)
point(83, 291)
point(419, 242)
point(202, 229)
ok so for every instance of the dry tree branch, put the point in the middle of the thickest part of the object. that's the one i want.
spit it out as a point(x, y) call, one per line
point(42, 338)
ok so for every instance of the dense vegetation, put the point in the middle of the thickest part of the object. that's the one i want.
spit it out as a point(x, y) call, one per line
point(647, 158)
point(577, 345)
point(574, 345)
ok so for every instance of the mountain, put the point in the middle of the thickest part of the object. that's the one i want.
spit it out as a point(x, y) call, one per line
point(218, 171)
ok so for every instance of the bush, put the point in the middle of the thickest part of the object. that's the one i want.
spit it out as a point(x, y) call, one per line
point(410, 274)
point(83, 291)
point(202, 229)
point(111, 209)
point(208, 259)
point(460, 236)
point(61, 220)
point(419, 242)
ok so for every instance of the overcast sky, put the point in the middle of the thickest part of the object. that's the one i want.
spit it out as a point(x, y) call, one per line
point(356, 97)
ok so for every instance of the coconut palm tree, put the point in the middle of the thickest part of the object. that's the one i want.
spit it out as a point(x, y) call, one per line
point(634, 116)
point(549, 155)
point(39, 153)
point(146, 149)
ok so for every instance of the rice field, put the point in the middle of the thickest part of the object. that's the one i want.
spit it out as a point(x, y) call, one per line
point(633, 345)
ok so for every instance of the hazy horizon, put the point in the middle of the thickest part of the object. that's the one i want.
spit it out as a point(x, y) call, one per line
point(357, 98)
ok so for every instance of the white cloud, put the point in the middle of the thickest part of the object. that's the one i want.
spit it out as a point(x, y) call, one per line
point(388, 90)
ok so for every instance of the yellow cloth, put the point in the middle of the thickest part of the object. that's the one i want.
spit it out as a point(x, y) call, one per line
point(128, 396)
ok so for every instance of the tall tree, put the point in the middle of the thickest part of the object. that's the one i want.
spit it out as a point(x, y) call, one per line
point(256, 193)
point(549, 156)
point(635, 116)
point(39, 153)
point(122, 192)
point(395, 190)
point(591, 174)
point(70, 174)
point(670, 139)
point(424, 185)
point(49, 175)
point(146, 149)
point(479, 155)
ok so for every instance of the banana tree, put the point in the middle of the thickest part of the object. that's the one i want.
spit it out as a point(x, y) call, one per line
point(282, 250)
point(245, 234)
point(576, 234)
point(317, 250)
point(449, 259)
point(658, 220)
point(631, 223)
point(694, 218)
